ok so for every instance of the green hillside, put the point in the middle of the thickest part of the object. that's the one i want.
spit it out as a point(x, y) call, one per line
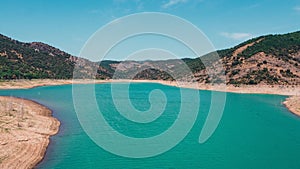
point(270, 59)
point(33, 60)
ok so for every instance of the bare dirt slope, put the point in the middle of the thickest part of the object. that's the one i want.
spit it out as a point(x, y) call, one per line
point(25, 128)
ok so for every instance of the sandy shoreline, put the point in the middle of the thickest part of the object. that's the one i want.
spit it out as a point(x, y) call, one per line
point(25, 128)
point(293, 104)
point(290, 90)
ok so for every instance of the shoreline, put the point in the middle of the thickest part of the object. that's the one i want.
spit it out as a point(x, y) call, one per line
point(287, 90)
point(293, 104)
point(25, 130)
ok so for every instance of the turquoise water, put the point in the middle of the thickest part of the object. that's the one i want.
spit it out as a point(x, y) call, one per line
point(256, 131)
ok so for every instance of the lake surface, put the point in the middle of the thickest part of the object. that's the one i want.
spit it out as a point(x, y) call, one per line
point(256, 131)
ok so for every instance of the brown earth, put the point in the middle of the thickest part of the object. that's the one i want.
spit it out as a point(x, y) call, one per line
point(25, 128)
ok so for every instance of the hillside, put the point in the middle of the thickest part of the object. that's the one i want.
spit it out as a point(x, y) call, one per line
point(32, 60)
point(37, 60)
point(271, 59)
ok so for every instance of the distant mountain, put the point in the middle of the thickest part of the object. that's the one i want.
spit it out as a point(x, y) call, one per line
point(271, 59)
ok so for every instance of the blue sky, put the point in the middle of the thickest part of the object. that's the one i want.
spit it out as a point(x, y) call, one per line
point(67, 24)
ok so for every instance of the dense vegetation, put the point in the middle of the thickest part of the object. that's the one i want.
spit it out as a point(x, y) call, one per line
point(280, 46)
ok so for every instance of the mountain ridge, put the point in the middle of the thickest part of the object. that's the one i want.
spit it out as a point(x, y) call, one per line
point(268, 59)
